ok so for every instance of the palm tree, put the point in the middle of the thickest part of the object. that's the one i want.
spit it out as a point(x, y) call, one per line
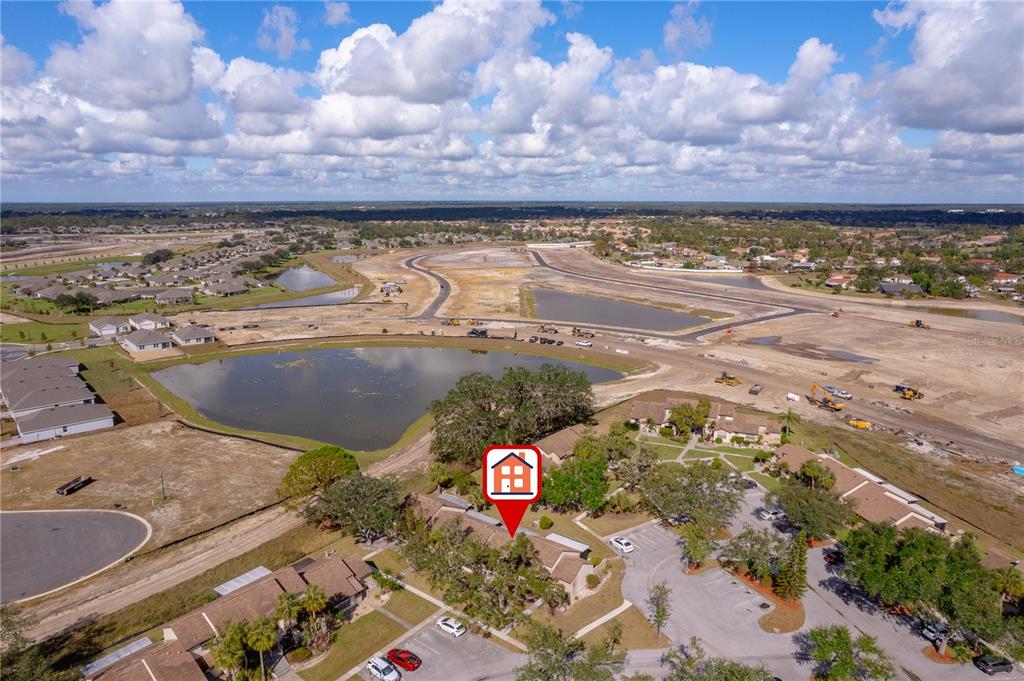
point(261, 636)
point(288, 608)
point(314, 601)
point(228, 650)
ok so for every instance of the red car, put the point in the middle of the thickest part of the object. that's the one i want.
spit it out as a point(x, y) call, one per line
point(404, 659)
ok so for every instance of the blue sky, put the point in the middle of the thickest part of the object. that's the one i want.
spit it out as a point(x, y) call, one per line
point(749, 100)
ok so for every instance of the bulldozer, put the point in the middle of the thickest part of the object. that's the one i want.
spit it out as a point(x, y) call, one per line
point(544, 328)
point(860, 423)
point(918, 324)
point(728, 379)
point(452, 322)
point(825, 402)
point(581, 333)
point(907, 392)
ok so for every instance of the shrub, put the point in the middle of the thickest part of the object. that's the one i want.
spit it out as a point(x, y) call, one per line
point(621, 503)
point(300, 654)
point(593, 581)
point(718, 440)
point(665, 431)
point(546, 522)
point(595, 560)
point(716, 464)
point(632, 425)
point(762, 456)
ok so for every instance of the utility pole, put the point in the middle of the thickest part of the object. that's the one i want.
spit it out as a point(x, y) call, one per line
point(163, 491)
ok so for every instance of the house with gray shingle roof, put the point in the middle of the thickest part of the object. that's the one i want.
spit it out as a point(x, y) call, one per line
point(109, 326)
point(192, 335)
point(144, 340)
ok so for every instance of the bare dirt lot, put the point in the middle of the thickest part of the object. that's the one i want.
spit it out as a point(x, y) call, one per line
point(208, 478)
point(417, 291)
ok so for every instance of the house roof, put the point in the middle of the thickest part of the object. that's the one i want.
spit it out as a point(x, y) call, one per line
point(561, 442)
point(146, 337)
point(162, 661)
point(108, 321)
point(148, 317)
point(191, 332)
point(67, 415)
point(26, 396)
point(567, 569)
point(720, 411)
point(876, 506)
point(642, 411)
point(794, 456)
point(62, 361)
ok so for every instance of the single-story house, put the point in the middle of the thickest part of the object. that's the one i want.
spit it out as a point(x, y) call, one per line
point(891, 289)
point(749, 427)
point(27, 397)
point(898, 279)
point(343, 580)
point(66, 420)
point(873, 498)
point(563, 558)
point(144, 341)
point(803, 266)
point(149, 321)
point(840, 281)
point(559, 445)
point(109, 326)
point(54, 363)
point(174, 296)
point(192, 335)
point(226, 288)
point(650, 416)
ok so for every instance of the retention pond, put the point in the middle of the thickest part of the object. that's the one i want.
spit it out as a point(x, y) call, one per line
point(577, 307)
point(358, 398)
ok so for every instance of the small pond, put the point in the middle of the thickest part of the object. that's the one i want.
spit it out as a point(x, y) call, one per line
point(333, 298)
point(981, 314)
point(302, 278)
point(740, 281)
point(359, 398)
point(578, 307)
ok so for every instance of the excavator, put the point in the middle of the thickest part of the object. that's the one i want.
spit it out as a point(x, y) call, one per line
point(728, 379)
point(907, 392)
point(918, 324)
point(860, 423)
point(825, 402)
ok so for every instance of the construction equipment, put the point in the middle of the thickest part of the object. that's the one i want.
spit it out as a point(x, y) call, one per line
point(860, 423)
point(907, 392)
point(477, 333)
point(756, 389)
point(581, 333)
point(452, 322)
point(473, 322)
point(728, 379)
point(918, 324)
point(543, 328)
point(825, 402)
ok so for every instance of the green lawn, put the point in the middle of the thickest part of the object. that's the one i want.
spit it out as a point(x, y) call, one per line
point(770, 483)
point(353, 643)
point(610, 523)
point(664, 452)
point(69, 266)
point(700, 454)
point(41, 332)
point(749, 451)
point(637, 632)
point(741, 462)
point(409, 607)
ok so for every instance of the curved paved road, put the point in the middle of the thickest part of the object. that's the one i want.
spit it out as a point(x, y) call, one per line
point(45, 550)
point(430, 312)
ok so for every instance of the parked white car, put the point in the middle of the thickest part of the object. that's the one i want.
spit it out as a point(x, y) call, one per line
point(380, 668)
point(623, 544)
point(452, 626)
point(770, 514)
point(584, 344)
point(843, 394)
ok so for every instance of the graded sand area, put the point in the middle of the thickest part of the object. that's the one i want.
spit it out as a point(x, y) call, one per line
point(486, 281)
point(208, 479)
point(417, 291)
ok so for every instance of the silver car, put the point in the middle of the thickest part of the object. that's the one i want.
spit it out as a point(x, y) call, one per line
point(623, 544)
point(452, 626)
point(380, 668)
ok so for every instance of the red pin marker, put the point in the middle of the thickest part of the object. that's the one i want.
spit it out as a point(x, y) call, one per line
point(511, 481)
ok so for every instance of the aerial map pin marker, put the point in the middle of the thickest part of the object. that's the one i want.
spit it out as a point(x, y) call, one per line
point(511, 481)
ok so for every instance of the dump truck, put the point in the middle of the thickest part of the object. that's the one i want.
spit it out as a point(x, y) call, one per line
point(728, 379)
point(918, 324)
point(477, 333)
point(907, 392)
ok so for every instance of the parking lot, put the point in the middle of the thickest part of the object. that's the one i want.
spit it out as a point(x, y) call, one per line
point(723, 611)
point(468, 657)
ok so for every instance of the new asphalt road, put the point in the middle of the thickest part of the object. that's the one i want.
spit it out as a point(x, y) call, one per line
point(44, 550)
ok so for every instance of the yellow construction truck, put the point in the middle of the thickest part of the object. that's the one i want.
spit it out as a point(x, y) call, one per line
point(860, 423)
point(918, 324)
point(728, 379)
point(907, 392)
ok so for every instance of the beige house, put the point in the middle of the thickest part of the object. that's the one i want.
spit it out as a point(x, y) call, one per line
point(751, 428)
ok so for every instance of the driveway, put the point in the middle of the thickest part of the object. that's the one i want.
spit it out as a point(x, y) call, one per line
point(723, 611)
point(466, 658)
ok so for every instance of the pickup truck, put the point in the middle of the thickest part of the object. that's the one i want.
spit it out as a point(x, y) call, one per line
point(756, 389)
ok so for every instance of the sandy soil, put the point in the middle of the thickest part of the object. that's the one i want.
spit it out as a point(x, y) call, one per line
point(418, 290)
point(8, 318)
point(208, 478)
